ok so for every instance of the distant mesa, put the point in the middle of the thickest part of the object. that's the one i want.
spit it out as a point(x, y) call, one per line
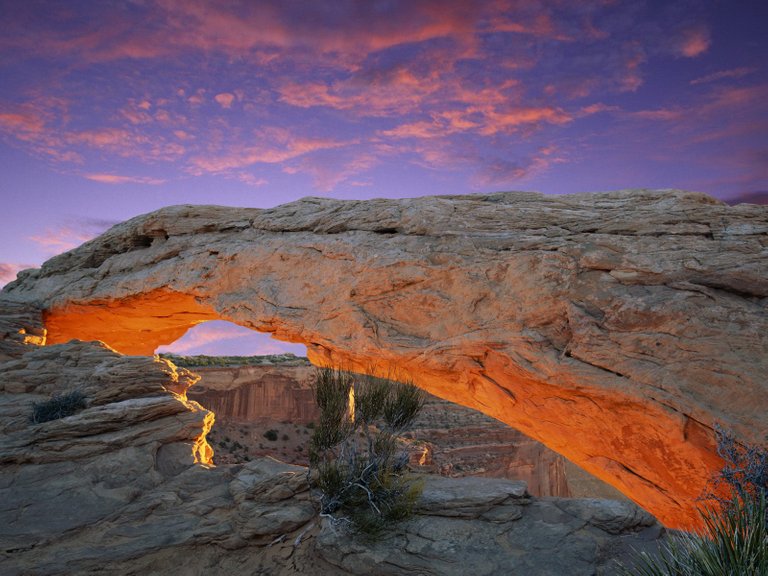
point(760, 197)
point(616, 327)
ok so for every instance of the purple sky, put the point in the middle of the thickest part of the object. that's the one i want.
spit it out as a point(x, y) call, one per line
point(111, 109)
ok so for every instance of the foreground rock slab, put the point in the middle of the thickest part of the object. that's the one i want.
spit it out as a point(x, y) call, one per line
point(616, 328)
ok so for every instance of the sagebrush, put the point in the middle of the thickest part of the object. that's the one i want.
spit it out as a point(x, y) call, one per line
point(356, 466)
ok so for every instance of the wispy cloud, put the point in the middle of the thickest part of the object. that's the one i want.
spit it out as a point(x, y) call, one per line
point(117, 179)
point(328, 172)
point(257, 91)
point(70, 235)
point(225, 99)
point(275, 145)
point(8, 271)
point(694, 42)
point(495, 172)
point(724, 74)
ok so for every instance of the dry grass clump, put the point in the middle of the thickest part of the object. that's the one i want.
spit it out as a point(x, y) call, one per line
point(59, 406)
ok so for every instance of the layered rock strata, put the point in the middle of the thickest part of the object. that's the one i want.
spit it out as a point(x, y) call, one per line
point(616, 328)
point(280, 391)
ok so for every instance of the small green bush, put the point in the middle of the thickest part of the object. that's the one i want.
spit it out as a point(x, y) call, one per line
point(59, 406)
point(271, 435)
point(734, 542)
point(355, 464)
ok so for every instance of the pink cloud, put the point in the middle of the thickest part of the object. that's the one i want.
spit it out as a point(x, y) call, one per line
point(26, 125)
point(501, 172)
point(67, 236)
point(694, 42)
point(116, 179)
point(328, 173)
point(597, 108)
point(8, 271)
point(534, 20)
point(723, 74)
point(396, 93)
point(250, 179)
point(259, 31)
point(103, 138)
point(225, 99)
point(275, 145)
point(224, 338)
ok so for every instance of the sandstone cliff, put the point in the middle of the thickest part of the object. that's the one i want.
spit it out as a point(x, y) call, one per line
point(248, 393)
point(615, 328)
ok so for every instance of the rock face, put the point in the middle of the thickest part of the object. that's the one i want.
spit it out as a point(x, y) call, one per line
point(122, 486)
point(615, 328)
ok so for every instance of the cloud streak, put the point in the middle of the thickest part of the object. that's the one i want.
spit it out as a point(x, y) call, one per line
point(117, 179)
point(63, 237)
point(8, 271)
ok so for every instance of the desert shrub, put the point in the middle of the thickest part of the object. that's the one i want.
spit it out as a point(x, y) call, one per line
point(734, 540)
point(271, 435)
point(745, 472)
point(285, 437)
point(355, 464)
point(59, 406)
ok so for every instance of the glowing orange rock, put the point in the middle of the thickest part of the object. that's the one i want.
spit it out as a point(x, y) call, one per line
point(615, 328)
point(133, 325)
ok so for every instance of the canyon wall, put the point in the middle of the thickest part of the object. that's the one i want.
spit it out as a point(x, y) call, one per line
point(617, 328)
point(457, 441)
point(276, 392)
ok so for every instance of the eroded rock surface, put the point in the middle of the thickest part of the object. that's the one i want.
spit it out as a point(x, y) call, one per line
point(615, 328)
point(487, 527)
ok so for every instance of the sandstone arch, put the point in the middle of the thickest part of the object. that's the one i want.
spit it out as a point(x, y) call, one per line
point(613, 327)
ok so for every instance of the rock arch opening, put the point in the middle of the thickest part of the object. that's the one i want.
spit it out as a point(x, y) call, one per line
point(222, 338)
point(615, 328)
point(265, 406)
